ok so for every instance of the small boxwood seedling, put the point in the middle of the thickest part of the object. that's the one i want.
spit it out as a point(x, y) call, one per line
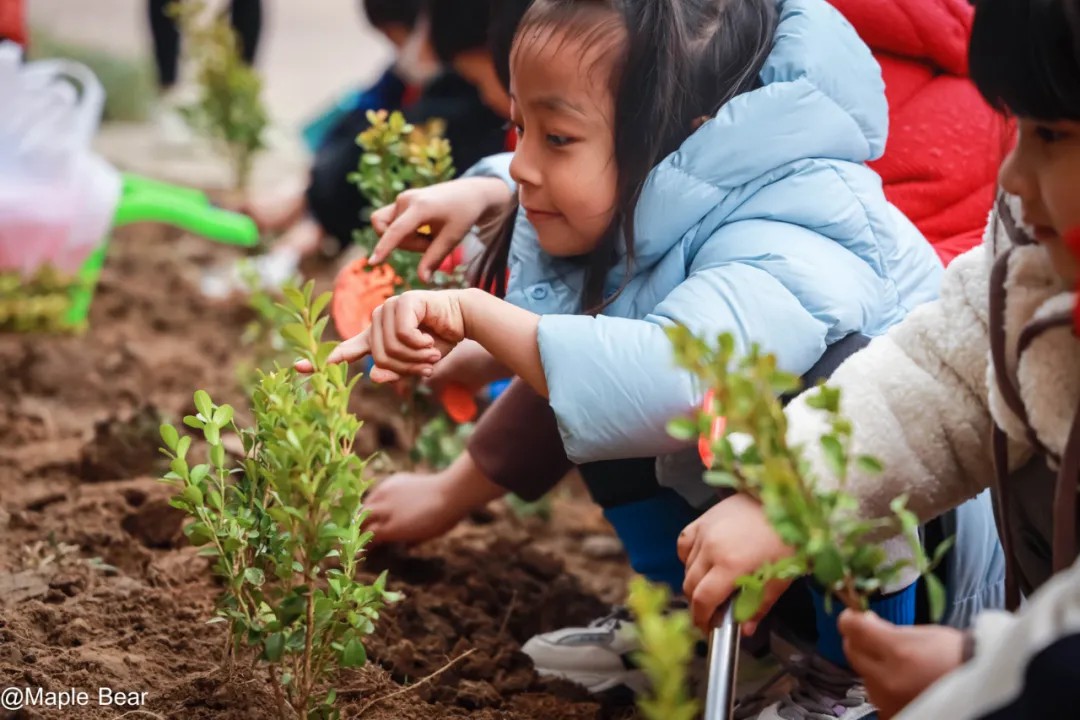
point(832, 544)
point(285, 524)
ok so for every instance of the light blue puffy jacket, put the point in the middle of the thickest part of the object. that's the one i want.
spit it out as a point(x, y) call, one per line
point(765, 223)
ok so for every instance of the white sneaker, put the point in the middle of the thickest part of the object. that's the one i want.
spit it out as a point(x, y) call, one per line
point(596, 657)
point(268, 272)
point(821, 691)
point(172, 129)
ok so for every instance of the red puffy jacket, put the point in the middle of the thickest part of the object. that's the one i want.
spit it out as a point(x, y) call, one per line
point(13, 20)
point(945, 143)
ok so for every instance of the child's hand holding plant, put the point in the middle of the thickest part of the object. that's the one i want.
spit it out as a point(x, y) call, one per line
point(732, 539)
point(815, 531)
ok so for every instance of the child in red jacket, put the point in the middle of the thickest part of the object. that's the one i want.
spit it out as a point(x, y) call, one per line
point(13, 21)
point(945, 143)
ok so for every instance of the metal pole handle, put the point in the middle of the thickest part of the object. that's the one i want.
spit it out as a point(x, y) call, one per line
point(723, 662)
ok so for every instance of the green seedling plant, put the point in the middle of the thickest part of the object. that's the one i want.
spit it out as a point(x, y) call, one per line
point(667, 639)
point(523, 509)
point(400, 156)
point(262, 335)
point(440, 442)
point(36, 304)
point(831, 543)
point(230, 109)
point(284, 524)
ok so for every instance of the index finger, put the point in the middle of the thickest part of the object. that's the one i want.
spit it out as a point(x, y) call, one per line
point(439, 249)
point(403, 228)
point(353, 349)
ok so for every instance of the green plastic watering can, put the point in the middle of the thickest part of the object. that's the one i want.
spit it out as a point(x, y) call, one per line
point(145, 200)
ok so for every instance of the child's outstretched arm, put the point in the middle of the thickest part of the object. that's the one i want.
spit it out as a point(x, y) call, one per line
point(412, 332)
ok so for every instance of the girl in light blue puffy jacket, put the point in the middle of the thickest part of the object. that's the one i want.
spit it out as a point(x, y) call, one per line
point(699, 162)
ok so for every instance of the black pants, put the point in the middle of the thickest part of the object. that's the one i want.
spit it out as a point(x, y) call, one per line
point(246, 18)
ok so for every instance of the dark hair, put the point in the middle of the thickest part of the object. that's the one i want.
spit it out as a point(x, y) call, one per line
point(381, 13)
point(458, 26)
point(1025, 57)
point(681, 60)
point(506, 15)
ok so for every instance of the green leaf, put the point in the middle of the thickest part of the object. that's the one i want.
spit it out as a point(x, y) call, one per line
point(203, 403)
point(274, 647)
point(748, 601)
point(354, 654)
point(212, 433)
point(170, 436)
point(183, 446)
point(291, 609)
point(940, 551)
point(320, 304)
point(323, 352)
point(683, 429)
point(254, 576)
point(297, 335)
point(935, 592)
point(721, 478)
point(193, 495)
point(295, 298)
point(223, 416)
point(198, 534)
point(870, 465)
point(193, 422)
point(834, 454)
point(217, 455)
point(828, 567)
point(214, 500)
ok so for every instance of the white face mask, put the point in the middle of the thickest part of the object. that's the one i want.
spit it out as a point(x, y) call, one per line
point(411, 65)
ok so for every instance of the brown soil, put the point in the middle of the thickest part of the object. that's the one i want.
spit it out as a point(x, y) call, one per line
point(99, 590)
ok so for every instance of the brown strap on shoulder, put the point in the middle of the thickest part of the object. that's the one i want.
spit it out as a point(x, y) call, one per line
point(1001, 511)
point(1030, 333)
point(997, 337)
point(1065, 495)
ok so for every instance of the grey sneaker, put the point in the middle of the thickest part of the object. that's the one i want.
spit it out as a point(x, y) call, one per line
point(596, 657)
point(821, 691)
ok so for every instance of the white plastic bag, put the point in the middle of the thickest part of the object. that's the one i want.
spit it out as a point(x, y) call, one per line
point(57, 198)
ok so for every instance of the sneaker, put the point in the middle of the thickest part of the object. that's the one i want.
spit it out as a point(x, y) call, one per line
point(596, 656)
point(173, 130)
point(822, 691)
point(268, 272)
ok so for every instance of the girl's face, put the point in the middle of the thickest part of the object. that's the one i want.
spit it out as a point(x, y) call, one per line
point(562, 105)
point(1043, 170)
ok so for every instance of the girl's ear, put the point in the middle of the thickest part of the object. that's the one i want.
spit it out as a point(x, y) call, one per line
point(698, 122)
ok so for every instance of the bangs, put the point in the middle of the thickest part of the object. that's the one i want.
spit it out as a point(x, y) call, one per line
point(591, 24)
point(1023, 57)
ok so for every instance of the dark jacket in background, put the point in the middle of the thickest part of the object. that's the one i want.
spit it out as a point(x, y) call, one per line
point(473, 130)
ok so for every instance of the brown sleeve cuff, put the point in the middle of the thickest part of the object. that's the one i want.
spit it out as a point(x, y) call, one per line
point(517, 445)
